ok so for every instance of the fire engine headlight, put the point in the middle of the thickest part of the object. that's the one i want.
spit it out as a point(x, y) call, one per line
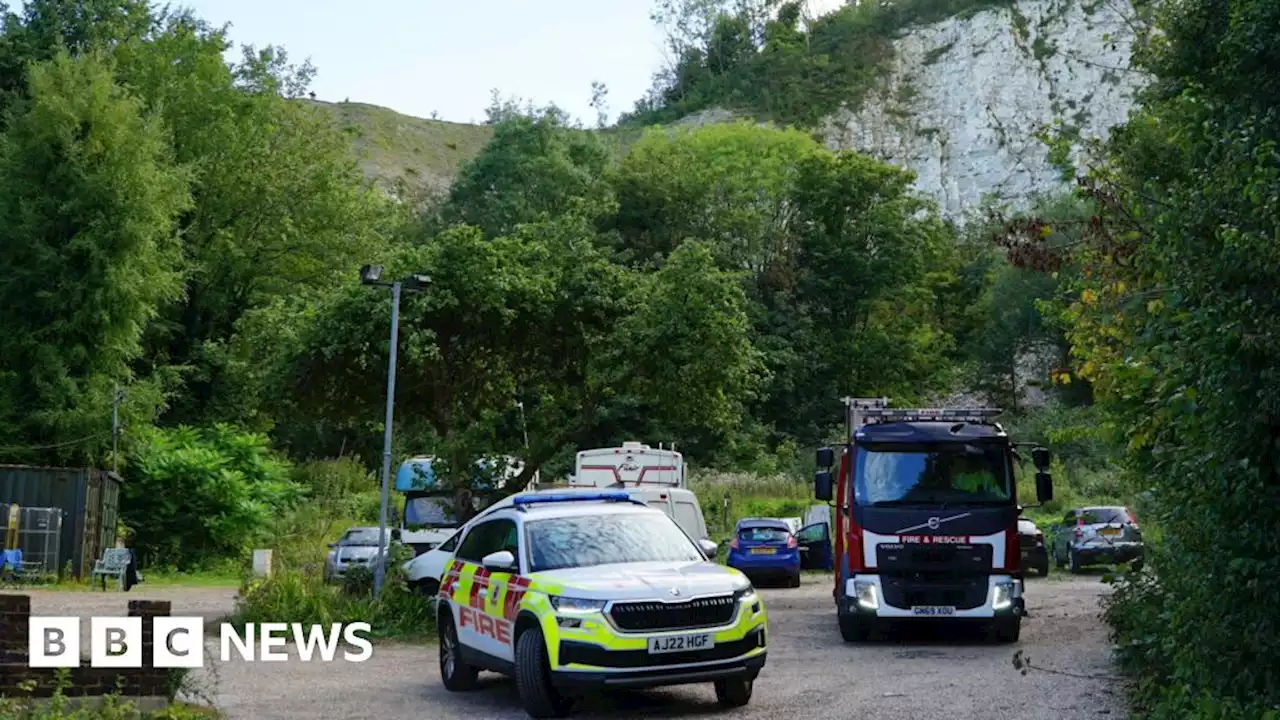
point(576, 606)
point(864, 592)
point(1001, 596)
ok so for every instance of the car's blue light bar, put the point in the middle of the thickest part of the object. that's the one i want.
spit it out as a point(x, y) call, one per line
point(573, 497)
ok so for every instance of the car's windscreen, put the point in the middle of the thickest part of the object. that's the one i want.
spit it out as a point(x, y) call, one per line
point(763, 534)
point(430, 510)
point(363, 536)
point(953, 474)
point(586, 540)
point(1099, 516)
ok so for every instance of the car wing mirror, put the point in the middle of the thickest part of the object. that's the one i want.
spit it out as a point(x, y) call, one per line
point(502, 561)
point(710, 548)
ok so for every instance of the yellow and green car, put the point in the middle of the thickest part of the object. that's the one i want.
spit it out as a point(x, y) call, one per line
point(580, 592)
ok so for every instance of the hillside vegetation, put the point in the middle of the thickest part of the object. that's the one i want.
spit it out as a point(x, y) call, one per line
point(404, 154)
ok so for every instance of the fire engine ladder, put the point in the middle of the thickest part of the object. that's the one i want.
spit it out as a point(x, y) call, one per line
point(868, 411)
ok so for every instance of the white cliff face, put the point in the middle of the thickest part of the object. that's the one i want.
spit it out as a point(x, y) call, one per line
point(966, 97)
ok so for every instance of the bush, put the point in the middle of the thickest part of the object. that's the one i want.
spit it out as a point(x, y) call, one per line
point(197, 495)
point(300, 595)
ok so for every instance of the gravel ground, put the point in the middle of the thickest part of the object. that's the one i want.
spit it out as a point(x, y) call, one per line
point(810, 671)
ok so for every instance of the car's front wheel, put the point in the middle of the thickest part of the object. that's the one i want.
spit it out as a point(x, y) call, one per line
point(533, 678)
point(733, 693)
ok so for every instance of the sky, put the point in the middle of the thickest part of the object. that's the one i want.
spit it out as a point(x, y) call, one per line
point(446, 56)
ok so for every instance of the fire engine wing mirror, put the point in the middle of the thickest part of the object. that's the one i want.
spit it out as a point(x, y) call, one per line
point(826, 458)
point(1044, 487)
point(710, 548)
point(502, 562)
point(1040, 457)
point(822, 485)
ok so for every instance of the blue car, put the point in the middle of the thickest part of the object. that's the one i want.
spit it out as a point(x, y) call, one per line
point(765, 548)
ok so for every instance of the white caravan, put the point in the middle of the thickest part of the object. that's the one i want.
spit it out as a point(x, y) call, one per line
point(631, 465)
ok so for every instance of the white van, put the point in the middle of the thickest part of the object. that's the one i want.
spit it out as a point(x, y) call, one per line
point(425, 570)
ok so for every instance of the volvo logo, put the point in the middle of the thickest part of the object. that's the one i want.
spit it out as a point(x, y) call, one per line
point(675, 592)
point(933, 523)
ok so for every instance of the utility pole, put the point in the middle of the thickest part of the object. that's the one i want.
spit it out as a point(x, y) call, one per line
point(524, 427)
point(379, 570)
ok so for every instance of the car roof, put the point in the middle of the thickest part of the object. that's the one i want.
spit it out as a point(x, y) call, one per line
point(763, 522)
point(582, 508)
point(929, 431)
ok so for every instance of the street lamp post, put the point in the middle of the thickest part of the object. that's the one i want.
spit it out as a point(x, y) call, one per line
point(524, 427)
point(371, 275)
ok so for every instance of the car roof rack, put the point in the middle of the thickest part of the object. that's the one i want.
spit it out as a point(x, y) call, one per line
point(872, 411)
point(523, 503)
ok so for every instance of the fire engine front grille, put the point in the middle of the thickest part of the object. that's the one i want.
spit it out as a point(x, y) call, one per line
point(653, 616)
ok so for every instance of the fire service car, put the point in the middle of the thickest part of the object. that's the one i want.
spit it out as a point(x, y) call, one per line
point(926, 518)
point(574, 592)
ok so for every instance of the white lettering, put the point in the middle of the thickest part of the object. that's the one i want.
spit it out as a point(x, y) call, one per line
point(363, 643)
point(267, 641)
point(230, 637)
point(317, 637)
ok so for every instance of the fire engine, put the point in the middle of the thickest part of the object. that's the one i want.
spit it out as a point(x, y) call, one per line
point(926, 513)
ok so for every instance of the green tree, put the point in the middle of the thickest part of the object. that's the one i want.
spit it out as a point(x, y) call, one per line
point(46, 27)
point(535, 168)
point(199, 495)
point(1172, 316)
point(89, 196)
point(280, 208)
point(834, 251)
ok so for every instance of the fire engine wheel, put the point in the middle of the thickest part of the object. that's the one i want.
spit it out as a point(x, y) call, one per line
point(854, 630)
point(456, 674)
point(533, 678)
point(733, 693)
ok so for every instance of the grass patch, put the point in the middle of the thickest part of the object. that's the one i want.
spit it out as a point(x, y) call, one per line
point(393, 148)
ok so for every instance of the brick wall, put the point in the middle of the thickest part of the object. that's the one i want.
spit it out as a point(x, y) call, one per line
point(146, 681)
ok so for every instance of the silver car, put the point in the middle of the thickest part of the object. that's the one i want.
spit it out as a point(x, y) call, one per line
point(358, 547)
point(1104, 535)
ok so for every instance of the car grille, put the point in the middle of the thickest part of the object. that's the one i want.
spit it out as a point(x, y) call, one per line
point(652, 616)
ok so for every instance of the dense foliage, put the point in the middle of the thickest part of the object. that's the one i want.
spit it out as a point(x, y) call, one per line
point(1171, 304)
point(189, 231)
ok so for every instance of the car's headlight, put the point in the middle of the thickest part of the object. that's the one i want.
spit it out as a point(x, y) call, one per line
point(1002, 596)
point(746, 594)
point(577, 606)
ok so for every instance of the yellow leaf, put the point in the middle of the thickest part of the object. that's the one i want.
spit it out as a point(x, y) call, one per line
point(1120, 287)
point(1046, 230)
point(1088, 297)
point(1154, 306)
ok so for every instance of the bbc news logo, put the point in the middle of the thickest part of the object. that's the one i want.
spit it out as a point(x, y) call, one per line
point(116, 642)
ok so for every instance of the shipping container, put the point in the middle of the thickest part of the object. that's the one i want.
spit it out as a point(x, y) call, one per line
point(88, 499)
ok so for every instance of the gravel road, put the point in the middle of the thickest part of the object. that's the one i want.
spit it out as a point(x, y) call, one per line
point(810, 671)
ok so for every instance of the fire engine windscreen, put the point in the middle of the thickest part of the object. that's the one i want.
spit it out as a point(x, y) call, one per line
point(954, 474)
